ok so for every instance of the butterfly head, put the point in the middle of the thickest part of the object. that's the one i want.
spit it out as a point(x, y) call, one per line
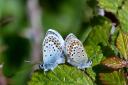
point(47, 67)
point(84, 65)
point(41, 66)
point(89, 63)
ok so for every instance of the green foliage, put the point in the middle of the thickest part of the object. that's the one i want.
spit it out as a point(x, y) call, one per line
point(122, 44)
point(110, 5)
point(118, 8)
point(15, 11)
point(62, 75)
point(97, 38)
point(114, 78)
point(100, 31)
point(22, 76)
point(122, 16)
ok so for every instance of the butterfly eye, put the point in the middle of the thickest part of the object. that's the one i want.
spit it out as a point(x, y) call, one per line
point(89, 61)
point(41, 66)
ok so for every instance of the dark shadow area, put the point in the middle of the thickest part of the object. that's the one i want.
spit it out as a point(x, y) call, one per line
point(106, 50)
point(84, 28)
point(112, 17)
point(97, 20)
point(101, 69)
point(92, 3)
point(18, 49)
point(51, 5)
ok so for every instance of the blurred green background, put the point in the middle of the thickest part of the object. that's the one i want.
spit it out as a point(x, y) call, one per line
point(23, 24)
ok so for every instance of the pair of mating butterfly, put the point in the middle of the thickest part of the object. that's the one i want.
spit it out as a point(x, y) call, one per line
point(54, 49)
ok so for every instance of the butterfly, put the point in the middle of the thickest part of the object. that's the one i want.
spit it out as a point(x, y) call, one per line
point(52, 48)
point(76, 55)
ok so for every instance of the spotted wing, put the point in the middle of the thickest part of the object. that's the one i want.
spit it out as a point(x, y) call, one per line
point(76, 55)
point(52, 50)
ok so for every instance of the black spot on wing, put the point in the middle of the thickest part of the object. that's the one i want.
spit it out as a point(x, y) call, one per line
point(72, 58)
point(44, 50)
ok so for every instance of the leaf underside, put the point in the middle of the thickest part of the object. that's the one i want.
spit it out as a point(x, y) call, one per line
point(122, 44)
point(114, 62)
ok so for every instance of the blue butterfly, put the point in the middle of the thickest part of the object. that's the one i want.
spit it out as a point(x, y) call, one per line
point(52, 48)
point(75, 52)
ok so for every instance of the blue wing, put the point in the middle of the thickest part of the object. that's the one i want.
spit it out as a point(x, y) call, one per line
point(52, 50)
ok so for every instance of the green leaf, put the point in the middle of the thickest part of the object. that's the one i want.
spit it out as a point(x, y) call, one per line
point(96, 56)
point(123, 16)
point(62, 75)
point(119, 8)
point(100, 32)
point(114, 78)
point(99, 35)
point(122, 44)
point(110, 5)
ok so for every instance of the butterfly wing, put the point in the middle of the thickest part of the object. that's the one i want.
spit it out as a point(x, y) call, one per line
point(52, 50)
point(76, 55)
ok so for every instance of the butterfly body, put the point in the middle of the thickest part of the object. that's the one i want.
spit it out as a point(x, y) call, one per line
point(52, 46)
point(75, 52)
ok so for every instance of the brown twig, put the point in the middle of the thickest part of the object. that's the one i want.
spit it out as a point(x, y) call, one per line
point(34, 13)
